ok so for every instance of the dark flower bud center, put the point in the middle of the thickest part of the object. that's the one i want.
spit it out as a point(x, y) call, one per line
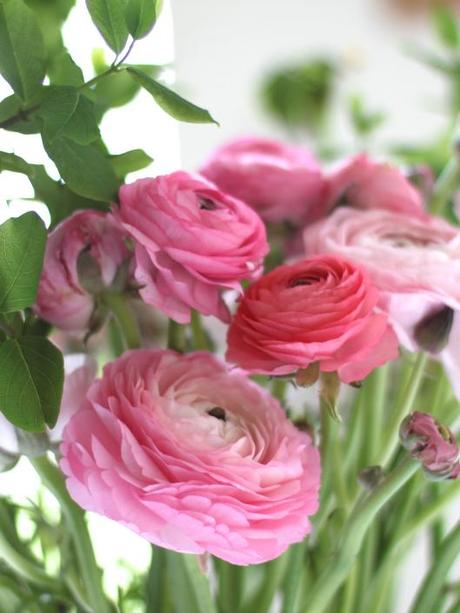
point(218, 413)
point(206, 204)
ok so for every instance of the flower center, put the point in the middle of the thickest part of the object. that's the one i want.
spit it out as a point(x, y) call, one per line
point(306, 280)
point(218, 413)
point(206, 204)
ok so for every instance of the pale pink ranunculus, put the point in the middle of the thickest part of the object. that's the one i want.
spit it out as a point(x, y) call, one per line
point(80, 371)
point(414, 262)
point(362, 183)
point(319, 310)
point(191, 242)
point(62, 300)
point(432, 444)
point(280, 181)
point(193, 456)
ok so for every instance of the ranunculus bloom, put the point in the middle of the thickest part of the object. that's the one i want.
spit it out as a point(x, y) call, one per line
point(62, 300)
point(322, 309)
point(280, 181)
point(193, 456)
point(192, 241)
point(432, 444)
point(414, 262)
point(364, 184)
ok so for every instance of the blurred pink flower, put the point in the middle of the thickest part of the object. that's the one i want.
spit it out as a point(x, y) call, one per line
point(280, 181)
point(191, 242)
point(361, 183)
point(414, 262)
point(62, 299)
point(432, 444)
point(192, 456)
point(321, 309)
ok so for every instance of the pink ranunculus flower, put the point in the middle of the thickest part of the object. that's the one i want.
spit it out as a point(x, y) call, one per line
point(80, 371)
point(193, 456)
point(319, 310)
point(62, 300)
point(280, 181)
point(191, 242)
point(432, 444)
point(362, 183)
point(414, 262)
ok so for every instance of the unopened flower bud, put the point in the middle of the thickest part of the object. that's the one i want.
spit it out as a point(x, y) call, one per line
point(432, 443)
point(432, 332)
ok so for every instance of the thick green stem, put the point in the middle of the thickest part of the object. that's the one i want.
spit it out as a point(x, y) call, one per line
point(403, 407)
point(293, 576)
point(200, 342)
point(445, 186)
point(176, 336)
point(125, 317)
point(230, 586)
point(374, 412)
point(354, 531)
point(273, 573)
point(430, 590)
point(91, 575)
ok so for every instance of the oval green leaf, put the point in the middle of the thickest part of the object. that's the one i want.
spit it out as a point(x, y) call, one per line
point(108, 17)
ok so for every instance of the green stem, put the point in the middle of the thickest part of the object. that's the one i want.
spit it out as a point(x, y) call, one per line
point(200, 342)
point(430, 590)
point(176, 336)
point(374, 412)
point(293, 576)
point(273, 573)
point(24, 567)
point(403, 407)
point(230, 586)
point(445, 186)
point(354, 531)
point(125, 317)
point(157, 596)
point(91, 575)
point(347, 601)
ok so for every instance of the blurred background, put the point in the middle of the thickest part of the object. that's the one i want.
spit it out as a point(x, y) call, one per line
point(336, 75)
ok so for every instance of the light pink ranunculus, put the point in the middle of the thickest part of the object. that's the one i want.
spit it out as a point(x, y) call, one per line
point(414, 262)
point(191, 242)
point(432, 444)
point(62, 300)
point(80, 371)
point(362, 183)
point(280, 181)
point(192, 456)
point(319, 310)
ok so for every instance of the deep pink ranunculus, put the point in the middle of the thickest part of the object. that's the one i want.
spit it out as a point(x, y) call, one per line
point(362, 183)
point(62, 299)
point(432, 444)
point(280, 181)
point(321, 309)
point(193, 456)
point(191, 242)
point(414, 262)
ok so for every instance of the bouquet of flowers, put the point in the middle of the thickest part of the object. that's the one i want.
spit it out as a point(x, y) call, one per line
point(288, 468)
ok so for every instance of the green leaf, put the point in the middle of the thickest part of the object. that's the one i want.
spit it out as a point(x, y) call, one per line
point(22, 54)
point(22, 247)
point(66, 112)
point(108, 17)
point(192, 591)
point(141, 16)
point(445, 25)
point(128, 162)
point(10, 108)
point(84, 168)
point(31, 381)
point(59, 199)
point(169, 101)
point(13, 163)
point(62, 70)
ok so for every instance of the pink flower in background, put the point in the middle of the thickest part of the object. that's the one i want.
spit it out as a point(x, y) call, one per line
point(192, 456)
point(280, 181)
point(322, 309)
point(364, 184)
point(191, 242)
point(432, 444)
point(62, 300)
point(80, 371)
point(414, 262)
